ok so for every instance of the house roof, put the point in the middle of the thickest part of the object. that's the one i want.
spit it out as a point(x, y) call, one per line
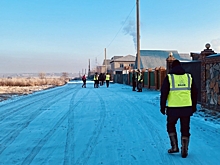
point(115, 57)
point(107, 61)
point(126, 58)
point(157, 58)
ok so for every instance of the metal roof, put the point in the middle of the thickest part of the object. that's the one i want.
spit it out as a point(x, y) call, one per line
point(157, 58)
point(126, 58)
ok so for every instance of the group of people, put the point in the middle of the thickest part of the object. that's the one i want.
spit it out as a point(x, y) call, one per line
point(137, 80)
point(100, 78)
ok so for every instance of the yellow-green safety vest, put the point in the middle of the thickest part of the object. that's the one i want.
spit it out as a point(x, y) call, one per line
point(95, 77)
point(139, 78)
point(180, 90)
point(107, 77)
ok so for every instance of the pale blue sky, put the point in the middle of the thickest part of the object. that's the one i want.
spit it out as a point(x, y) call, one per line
point(62, 35)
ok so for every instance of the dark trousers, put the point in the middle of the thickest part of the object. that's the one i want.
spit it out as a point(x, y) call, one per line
point(139, 86)
point(134, 85)
point(96, 83)
point(184, 125)
point(84, 83)
point(107, 83)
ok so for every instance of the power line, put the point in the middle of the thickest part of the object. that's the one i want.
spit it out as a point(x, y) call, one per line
point(119, 29)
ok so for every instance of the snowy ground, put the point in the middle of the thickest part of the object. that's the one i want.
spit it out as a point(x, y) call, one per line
point(7, 92)
point(71, 125)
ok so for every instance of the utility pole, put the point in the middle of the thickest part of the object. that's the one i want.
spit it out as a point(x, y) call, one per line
point(89, 68)
point(105, 62)
point(96, 64)
point(138, 36)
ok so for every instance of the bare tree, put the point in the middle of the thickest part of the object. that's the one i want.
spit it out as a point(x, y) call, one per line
point(64, 76)
point(41, 75)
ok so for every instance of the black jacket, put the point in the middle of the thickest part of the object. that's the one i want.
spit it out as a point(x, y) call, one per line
point(177, 111)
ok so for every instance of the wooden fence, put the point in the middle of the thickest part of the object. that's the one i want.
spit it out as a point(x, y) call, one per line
point(153, 78)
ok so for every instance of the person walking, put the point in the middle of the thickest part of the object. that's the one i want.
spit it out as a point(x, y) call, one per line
point(180, 92)
point(107, 79)
point(140, 81)
point(133, 80)
point(96, 80)
point(84, 81)
point(101, 79)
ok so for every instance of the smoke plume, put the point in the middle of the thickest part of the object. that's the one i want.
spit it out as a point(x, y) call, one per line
point(130, 29)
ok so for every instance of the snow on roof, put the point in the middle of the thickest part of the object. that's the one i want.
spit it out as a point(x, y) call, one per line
point(156, 58)
point(126, 58)
point(115, 57)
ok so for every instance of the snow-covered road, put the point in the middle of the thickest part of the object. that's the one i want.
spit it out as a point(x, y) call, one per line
point(70, 125)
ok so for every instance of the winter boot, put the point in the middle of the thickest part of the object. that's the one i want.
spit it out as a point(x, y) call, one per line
point(174, 143)
point(184, 148)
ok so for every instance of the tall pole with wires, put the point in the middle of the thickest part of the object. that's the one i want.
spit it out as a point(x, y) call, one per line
point(105, 62)
point(138, 36)
point(89, 68)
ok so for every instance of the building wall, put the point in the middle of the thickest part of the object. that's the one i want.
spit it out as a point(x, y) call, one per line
point(116, 65)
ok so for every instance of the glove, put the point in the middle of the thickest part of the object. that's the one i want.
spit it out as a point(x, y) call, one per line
point(162, 111)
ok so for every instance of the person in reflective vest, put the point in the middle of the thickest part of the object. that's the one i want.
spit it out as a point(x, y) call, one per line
point(96, 80)
point(178, 101)
point(139, 81)
point(107, 79)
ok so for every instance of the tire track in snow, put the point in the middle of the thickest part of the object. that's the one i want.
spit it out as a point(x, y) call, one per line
point(155, 134)
point(164, 157)
point(44, 140)
point(12, 135)
point(85, 156)
point(69, 147)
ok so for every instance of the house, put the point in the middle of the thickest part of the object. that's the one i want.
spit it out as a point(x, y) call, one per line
point(103, 68)
point(120, 63)
point(157, 58)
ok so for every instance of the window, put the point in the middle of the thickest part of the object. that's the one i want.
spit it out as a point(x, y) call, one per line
point(121, 65)
point(118, 72)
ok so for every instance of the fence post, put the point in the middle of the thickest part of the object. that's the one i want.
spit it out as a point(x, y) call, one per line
point(170, 60)
point(206, 52)
point(149, 77)
point(162, 72)
point(142, 73)
point(156, 73)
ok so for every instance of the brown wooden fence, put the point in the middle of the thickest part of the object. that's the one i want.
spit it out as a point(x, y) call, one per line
point(153, 78)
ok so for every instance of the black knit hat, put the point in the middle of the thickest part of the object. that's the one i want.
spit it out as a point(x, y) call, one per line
point(175, 63)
